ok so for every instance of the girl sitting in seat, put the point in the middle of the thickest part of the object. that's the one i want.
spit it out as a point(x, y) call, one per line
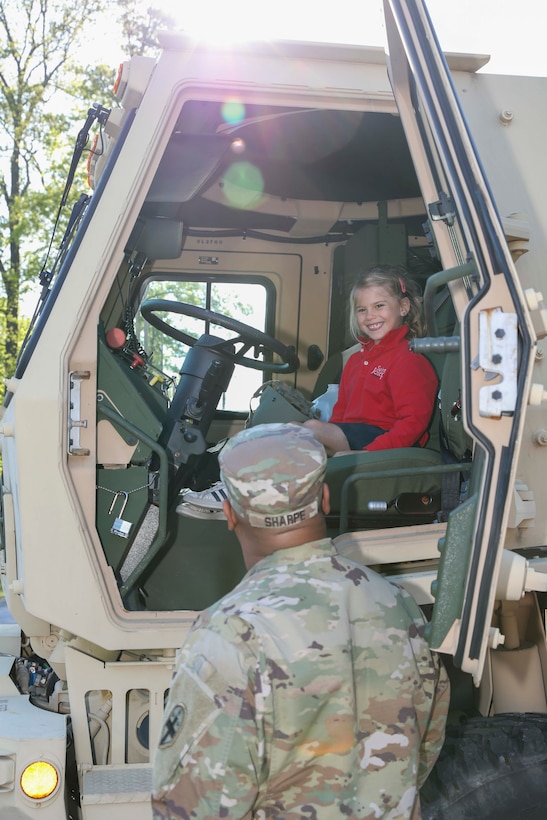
point(387, 392)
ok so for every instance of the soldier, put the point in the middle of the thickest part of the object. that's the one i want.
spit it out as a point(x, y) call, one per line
point(309, 691)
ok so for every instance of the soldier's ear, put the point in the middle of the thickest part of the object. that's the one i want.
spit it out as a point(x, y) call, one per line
point(325, 501)
point(231, 517)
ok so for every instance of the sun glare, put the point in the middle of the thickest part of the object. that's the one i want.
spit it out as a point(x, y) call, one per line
point(221, 22)
point(225, 22)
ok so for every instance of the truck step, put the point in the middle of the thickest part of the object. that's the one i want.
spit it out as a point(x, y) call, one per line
point(117, 784)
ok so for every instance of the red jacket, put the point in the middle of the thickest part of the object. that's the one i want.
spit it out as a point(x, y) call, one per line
point(388, 386)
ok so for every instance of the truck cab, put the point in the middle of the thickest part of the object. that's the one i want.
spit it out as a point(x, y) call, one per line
point(202, 286)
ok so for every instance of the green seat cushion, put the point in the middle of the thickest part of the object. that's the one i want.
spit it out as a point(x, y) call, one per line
point(371, 487)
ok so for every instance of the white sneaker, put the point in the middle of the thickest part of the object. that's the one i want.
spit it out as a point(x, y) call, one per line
point(206, 504)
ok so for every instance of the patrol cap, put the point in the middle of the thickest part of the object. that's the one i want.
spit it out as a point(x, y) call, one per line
point(273, 474)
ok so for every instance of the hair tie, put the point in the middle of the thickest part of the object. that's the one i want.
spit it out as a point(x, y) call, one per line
point(402, 284)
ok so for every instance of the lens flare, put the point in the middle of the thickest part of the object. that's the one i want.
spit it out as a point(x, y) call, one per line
point(238, 146)
point(243, 185)
point(233, 111)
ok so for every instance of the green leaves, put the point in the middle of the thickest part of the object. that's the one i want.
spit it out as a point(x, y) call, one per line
point(45, 94)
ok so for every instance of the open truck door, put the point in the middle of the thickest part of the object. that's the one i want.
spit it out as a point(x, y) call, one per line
point(492, 763)
point(497, 340)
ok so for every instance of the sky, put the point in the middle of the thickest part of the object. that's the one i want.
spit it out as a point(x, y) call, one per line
point(511, 31)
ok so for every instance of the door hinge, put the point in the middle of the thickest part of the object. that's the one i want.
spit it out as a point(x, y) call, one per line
point(75, 423)
point(498, 348)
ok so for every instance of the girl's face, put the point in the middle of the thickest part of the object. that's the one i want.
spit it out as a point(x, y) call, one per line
point(378, 311)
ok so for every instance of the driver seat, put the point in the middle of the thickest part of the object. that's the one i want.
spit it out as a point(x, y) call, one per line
point(403, 486)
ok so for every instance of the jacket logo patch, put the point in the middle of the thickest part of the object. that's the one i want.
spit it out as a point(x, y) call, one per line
point(379, 371)
point(172, 726)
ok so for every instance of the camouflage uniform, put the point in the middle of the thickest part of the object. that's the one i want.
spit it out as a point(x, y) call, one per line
point(307, 692)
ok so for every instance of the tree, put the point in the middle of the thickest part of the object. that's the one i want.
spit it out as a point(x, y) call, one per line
point(44, 97)
point(140, 27)
point(38, 38)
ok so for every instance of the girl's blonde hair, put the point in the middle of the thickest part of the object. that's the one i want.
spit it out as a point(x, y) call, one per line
point(395, 280)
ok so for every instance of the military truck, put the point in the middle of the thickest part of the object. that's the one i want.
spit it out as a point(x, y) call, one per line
point(202, 286)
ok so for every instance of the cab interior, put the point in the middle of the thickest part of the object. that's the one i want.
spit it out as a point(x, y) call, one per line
point(236, 274)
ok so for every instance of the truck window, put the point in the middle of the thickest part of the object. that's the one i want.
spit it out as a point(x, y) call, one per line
point(247, 301)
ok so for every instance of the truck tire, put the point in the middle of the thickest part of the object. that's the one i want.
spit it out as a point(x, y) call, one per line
point(490, 769)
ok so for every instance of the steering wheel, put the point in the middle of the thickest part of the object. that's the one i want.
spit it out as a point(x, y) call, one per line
point(248, 336)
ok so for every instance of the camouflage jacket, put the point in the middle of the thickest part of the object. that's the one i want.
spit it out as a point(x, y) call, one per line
point(307, 692)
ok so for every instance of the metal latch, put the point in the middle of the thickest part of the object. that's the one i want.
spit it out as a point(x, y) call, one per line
point(75, 423)
point(443, 210)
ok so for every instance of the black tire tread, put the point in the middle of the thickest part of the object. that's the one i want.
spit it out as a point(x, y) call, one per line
point(490, 768)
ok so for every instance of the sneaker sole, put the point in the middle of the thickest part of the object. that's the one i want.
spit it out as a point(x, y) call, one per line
point(190, 511)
